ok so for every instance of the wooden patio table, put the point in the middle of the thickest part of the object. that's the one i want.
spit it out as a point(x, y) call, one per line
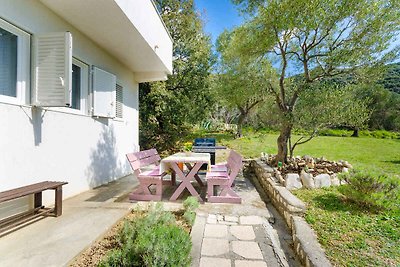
point(193, 162)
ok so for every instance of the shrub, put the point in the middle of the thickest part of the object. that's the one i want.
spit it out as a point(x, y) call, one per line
point(151, 240)
point(371, 189)
point(190, 204)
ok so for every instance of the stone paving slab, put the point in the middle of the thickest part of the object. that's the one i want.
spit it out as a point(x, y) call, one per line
point(247, 249)
point(243, 232)
point(215, 230)
point(214, 247)
point(247, 263)
point(215, 262)
point(252, 220)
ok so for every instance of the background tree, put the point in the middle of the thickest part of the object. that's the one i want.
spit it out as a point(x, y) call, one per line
point(335, 106)
point(319, 39)
point(167, 108)
point(384, 106)
point(239, 84)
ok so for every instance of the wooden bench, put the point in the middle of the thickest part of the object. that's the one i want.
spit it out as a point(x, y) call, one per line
point(224, 176)
point(147, 177)
point(38, 208)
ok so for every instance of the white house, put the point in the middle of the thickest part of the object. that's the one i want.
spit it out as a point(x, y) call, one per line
point(69, 75)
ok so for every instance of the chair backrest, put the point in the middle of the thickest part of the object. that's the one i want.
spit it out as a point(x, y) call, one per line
point(143, 158)
point(234, 164)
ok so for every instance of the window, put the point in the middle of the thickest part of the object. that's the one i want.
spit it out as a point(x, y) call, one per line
point(79, 86)
point(14, 63)
point(8, 64)
point(76, 87)
point(119, 101)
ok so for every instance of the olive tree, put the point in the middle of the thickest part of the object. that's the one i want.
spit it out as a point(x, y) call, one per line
point(240, 84)
point(317, 39)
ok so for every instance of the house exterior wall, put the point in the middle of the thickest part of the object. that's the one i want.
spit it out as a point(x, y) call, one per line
point(61, 144)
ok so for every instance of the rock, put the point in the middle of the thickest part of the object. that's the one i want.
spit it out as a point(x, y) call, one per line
point(309, 162)
point(292, 181)
point(264, 156)
point(320, 170)
point(335, 180)
point(345, 169)
point(326, 170)
point(307, 179)
point(301, 164)
point(347, 165)
point(280, 179)
point(322, 180)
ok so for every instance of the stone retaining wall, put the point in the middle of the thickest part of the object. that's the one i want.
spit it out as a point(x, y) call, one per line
point(292, 209)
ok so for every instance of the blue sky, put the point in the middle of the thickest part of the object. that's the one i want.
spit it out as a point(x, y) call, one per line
point(218, 15)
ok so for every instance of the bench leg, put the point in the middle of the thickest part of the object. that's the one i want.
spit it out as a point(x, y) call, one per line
point(58, 201)
point(38, 200)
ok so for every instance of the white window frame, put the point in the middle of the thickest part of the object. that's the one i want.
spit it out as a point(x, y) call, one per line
point(23, 65)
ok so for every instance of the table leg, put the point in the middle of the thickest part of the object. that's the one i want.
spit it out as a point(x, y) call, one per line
point(196, 176)
point(185, 181)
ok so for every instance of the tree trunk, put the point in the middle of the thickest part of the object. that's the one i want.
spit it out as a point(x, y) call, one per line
point(241, 118)
point(282, 142)
point(355, 132)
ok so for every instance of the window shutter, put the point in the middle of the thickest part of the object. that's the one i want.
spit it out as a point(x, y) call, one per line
point(104, 84)
point(53, 70)
point(119, 101)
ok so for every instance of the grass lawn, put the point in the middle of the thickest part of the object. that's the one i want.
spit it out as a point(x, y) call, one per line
point(350, 234)
point(362, 153)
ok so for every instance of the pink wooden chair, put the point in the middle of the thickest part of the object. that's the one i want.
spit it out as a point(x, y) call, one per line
point(223, 167)
point(148, 176)
point(225, 179)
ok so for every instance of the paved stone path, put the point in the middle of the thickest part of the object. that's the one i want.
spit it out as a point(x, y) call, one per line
point(249, 234)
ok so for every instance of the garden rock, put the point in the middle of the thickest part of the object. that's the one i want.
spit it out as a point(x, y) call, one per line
point(322, 180)
point(335, 180)
point(307, 179)
point(292, 181)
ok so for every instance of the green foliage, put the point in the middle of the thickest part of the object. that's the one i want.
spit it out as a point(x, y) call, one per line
point(151, 240)
point(329, 105)
point(190, 205)
point(167, 109)
point(385, 107)
point(391, 79)
point(240, 85)
point(372, 190)
point(351, 234)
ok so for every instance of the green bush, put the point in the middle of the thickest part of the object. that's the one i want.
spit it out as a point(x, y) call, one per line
point(335, 132)
point(380, 134)
point(151, 240)
point(371, 189)
point(190, 205)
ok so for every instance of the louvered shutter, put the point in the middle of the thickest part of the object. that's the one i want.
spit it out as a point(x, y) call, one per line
point(53, 70)
point(119, 101)
point(104, 84)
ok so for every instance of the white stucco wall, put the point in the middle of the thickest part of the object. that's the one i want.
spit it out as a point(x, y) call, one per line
point(39, 144)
